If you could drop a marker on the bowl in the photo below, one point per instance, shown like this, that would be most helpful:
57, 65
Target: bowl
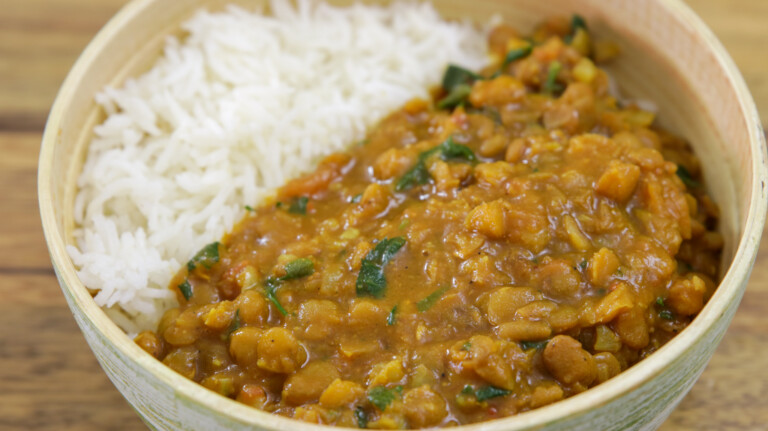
669, 56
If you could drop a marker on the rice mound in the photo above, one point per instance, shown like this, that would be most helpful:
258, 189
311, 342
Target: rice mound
242, 103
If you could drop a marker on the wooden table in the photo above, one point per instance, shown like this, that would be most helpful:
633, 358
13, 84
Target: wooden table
48, 377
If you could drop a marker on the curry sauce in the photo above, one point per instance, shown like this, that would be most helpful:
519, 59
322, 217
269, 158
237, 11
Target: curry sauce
517, 240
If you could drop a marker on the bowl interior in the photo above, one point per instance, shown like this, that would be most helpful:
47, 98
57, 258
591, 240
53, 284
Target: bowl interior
668, 57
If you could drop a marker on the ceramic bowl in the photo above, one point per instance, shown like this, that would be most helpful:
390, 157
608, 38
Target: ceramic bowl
669, 56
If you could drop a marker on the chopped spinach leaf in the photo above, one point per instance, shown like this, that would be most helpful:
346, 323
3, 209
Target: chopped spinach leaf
456, 75
298, 268
551, 85
488, 392
381, 397
299, 205
186, 289
457, 82
686, 177
417, 175
361, 417
528, 345
666, 315
207, 256
371, 280
577, 21
249, 208
456, 97
493, 114
234, 326
427, 303
449, 149
392, 316
517, 54
270, 286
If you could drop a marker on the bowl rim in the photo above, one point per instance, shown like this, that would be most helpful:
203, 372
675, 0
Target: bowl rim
730, 288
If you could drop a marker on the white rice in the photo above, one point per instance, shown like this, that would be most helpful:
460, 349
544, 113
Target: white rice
238, 106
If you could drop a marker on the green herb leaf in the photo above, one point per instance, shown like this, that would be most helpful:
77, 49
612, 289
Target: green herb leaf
550, 85
666, 315
370, 280
207, 256
538, 345
686, 177
488, 392
404, 224
361, 417
278, 204
577, 21
468, 390
298, 268
456, 75
660, 301
466, 346
417, 175
249, 208
583, 264
392, 316
449, 149
356, 198
381, 397
517, 54
270, 286
186, 289
427, 303
456, 97
299, 206
234, 326
493, 113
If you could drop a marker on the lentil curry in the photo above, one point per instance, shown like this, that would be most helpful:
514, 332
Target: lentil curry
517, 241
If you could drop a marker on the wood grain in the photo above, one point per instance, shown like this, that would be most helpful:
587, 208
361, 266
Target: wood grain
49, 379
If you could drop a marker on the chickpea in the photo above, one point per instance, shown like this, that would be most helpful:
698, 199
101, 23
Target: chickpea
254, 309
568, 362
319, 318
184, 361
150, 343
243, 345
423, 407
341, 393
307, 384
279, 351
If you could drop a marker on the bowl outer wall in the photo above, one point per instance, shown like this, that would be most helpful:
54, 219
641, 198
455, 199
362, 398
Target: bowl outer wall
640, 398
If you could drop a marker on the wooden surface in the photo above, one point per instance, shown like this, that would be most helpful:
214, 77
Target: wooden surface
50, 380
